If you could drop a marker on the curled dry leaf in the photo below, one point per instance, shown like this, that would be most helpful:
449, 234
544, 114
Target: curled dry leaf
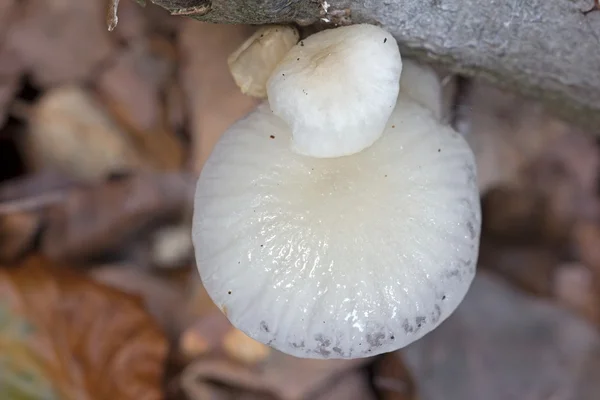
254, 61
102, 217
65, 337
47, 36
69, 132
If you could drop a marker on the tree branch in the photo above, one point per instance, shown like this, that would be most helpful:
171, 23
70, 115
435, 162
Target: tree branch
545, 49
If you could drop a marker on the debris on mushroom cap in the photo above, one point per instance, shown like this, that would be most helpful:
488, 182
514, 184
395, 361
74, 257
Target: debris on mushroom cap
422, 84
254, 61
342, 257
336, 89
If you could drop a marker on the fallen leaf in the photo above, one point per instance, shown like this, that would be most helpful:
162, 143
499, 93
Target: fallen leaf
577, 288
501, 344
163, 298
392, 380
60, 41
134, 89
17, 233
65, 337
69, 132
506, 132
95, 219
354, 385
529, 268
214, 102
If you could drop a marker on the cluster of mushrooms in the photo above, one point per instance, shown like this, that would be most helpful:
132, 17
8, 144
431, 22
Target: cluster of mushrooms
341, 217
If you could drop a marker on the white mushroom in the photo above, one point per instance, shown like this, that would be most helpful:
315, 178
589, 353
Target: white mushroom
337, 89
421, 83
341, 257
253, 62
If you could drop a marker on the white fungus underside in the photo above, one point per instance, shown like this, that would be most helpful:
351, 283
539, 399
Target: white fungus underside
338, 258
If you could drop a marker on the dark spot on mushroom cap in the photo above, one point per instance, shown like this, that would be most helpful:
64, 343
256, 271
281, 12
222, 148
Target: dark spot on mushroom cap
229, 292
262, 245
392, 337
386, 176
264, 327
302, 44
272, 137
298, 59
471, 229
385, 40
420, 321
376, 339
444, 297
393, 126
439, 150
437, 313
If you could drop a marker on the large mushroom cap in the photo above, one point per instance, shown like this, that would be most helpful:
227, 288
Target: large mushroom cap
336, 89
343, 257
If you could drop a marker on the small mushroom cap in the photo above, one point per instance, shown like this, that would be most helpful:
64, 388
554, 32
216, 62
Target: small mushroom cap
340, 257
336, 89
252, 63
422, 84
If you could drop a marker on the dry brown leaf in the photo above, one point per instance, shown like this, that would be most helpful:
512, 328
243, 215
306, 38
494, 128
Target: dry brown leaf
164, 299
529, 268
69, 132
296, 378
506, 132
134, 89
352, 386
392, 380
214, 102
60, 41
7, 10
17, 233
198, 381
577, 288
132, 83
97, 218
65, 337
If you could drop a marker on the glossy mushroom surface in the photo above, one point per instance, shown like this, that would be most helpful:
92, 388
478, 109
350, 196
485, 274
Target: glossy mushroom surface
344, 257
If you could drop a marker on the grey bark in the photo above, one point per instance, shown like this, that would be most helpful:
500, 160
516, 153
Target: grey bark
546, 49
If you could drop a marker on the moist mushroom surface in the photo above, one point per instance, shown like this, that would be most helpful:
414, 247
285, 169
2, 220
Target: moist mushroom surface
340, 257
